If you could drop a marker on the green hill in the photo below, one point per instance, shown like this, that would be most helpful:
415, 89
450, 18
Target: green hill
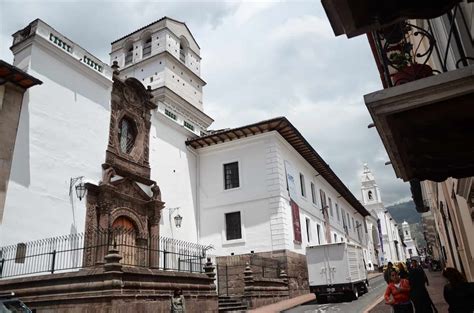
405, 211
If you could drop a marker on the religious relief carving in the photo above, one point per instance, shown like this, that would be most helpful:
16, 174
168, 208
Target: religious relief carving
128, 149
107, 173
155, 189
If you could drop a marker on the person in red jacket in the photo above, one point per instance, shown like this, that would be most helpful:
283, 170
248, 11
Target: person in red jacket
398, 294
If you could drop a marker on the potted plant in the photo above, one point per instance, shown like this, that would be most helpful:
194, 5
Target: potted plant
407, 69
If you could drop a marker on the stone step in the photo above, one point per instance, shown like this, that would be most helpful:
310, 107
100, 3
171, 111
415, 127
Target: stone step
235, 309
230, 300
230, 305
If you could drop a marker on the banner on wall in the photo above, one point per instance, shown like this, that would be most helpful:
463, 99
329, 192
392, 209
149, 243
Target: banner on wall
295, 213
295, 210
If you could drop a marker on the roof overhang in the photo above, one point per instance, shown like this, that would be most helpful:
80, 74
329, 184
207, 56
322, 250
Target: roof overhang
295, 139
426, 125
12, 74
356, 17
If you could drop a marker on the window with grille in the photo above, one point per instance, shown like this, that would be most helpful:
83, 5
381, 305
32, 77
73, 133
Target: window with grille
330, 206
129, 56
170, 114
126, 135
308, 229
231, 175
313, 193
147, 47
20, 253
233, 226
303, 188
189, 125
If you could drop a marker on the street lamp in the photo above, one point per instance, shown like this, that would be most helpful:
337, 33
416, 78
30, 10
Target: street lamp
177, 219
77, 183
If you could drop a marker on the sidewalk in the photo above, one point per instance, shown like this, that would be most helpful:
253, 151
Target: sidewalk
435, 290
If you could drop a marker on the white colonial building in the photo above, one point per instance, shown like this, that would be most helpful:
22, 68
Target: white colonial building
389, 244
255, 188
410, 245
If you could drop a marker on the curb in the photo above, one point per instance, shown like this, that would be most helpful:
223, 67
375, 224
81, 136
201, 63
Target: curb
373, 305
285, 304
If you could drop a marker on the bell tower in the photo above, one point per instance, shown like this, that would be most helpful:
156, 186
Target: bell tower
369, 188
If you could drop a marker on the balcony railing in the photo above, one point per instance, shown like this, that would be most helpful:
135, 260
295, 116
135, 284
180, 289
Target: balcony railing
70, 252
413, 50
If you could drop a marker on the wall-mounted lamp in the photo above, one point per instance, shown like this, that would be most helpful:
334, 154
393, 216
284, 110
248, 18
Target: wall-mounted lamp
78, 185
177, 219
324, 209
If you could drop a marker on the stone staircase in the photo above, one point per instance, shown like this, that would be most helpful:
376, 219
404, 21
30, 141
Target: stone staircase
231, 304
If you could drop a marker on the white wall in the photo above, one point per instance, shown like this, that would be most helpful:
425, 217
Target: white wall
173, 167
262, 197
63, 133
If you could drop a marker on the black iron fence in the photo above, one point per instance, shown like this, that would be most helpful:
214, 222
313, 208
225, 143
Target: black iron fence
75, 251
407, 49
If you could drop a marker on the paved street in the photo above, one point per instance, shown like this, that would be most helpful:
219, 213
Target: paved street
376, 289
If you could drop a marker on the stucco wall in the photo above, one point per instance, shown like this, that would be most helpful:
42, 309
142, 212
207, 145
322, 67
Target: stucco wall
63, 133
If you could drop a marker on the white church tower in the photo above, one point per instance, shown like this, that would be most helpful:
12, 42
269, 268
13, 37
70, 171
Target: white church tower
165, 57
389, 248
408, 240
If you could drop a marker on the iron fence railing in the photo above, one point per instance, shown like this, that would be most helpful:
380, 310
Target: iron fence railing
408, 50
75, 251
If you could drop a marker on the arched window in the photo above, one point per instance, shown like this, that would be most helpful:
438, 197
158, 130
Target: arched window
147, 46
129, 55
183, 46
369, 194
126, 135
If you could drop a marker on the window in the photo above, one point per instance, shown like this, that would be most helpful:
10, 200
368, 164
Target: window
20, 253
322, 195
335, 238
183, 44
233, 226
313, 193
126, 135
330, 206
318, 228
170, 114
337, 213
353, 225
406, 232
308, 229
369, 194
303, 189
348, 220
231, 175
342, 239
189, 125
147, 47
129, 56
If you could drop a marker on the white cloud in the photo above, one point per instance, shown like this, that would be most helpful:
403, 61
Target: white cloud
308, 25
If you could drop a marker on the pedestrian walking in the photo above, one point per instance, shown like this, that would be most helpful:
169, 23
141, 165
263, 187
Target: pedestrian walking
401, 271
177, 302
397, 294
388, 270
458, 293
418, 293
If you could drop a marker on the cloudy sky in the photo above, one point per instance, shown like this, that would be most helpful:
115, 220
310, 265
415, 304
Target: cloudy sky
259, 59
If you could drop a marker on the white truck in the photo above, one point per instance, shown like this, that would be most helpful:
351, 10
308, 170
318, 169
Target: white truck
336, 270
